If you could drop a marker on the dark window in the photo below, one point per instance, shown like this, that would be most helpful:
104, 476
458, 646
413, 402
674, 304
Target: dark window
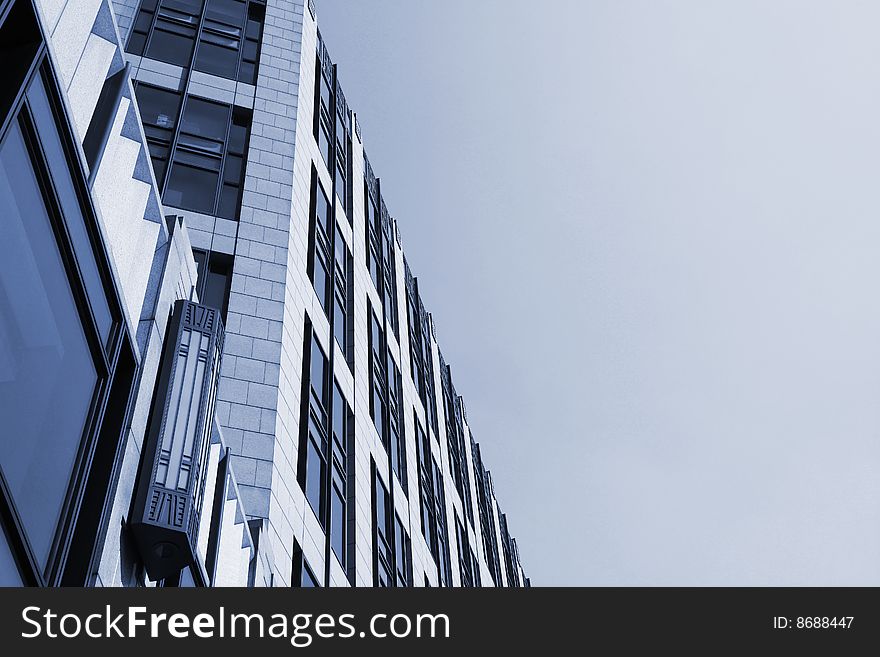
140, 30
328, 265
402, 553
392, 558
465, 561
487, 515
160, 109
342, 259
212, 140
315, 472
325, 462
174, 31
396, 444
230, 40
433, 505
389, 291
228, 45
339, 182
316, 465
233, 165
377, 373
322, 222
250, 54
214, 279
374, 237
337, 523
308, 579
455, 440
339, 492
303, 575
382, 537
323, 115
220, 41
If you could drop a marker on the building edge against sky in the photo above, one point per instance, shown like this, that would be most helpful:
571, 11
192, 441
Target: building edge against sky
238, 381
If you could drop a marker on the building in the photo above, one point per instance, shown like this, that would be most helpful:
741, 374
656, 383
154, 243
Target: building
215, 365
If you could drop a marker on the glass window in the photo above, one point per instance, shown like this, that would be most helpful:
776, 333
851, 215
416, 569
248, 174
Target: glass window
339, 322
321, 280
47, 373
308, 577
218, 55
337, 524
318, 371
340, 183
324, 144
192, 188
314, 477
159, 109
340, 417
227, 11
216, 284
172, 42
209, 142
322, 206
341, 253
205, 118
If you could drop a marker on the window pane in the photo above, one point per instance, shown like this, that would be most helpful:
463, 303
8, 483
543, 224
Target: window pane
318, 369
215, 59
232, 169
238, 132
228, 11
158, 107
249, 51
337, 525
228, 208
339, 322
247, 73
326, 96
322, 209
321, 280
308, 578
341, 253
47, 375
324, 145
143, 21
217, 284
206, 119
193, 7
201, 258
191, 189
136, 43
340, 411
172, 48
314, 477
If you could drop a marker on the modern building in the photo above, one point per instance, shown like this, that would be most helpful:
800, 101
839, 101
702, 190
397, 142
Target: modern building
215, 364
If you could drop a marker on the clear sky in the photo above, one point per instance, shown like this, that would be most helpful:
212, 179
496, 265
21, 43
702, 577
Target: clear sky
649, 233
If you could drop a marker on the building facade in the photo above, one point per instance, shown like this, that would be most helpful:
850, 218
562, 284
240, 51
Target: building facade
215, 365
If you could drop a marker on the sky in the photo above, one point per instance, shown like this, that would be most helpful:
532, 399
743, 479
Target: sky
649, 235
